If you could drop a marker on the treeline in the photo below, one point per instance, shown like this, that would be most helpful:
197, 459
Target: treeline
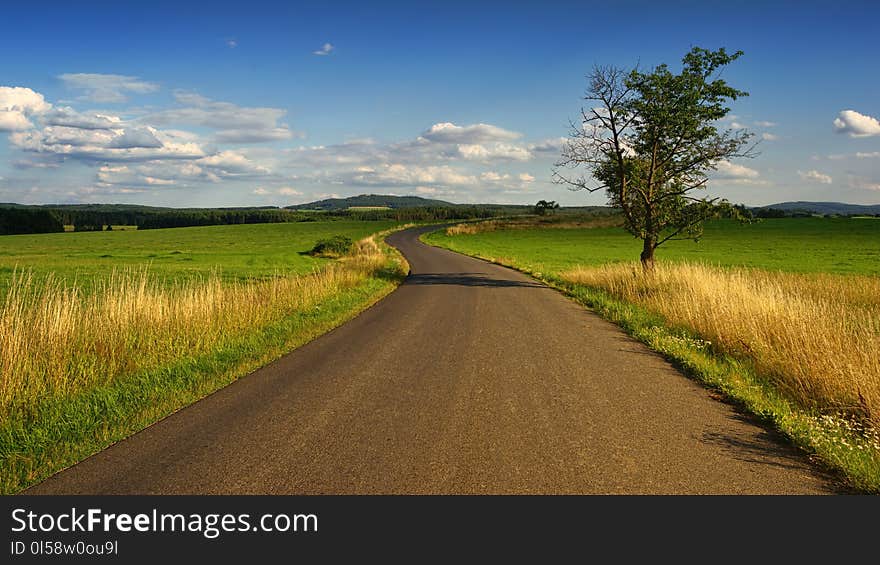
96, 217
219, 217
179, 219
777, 213
28, 220
87, 218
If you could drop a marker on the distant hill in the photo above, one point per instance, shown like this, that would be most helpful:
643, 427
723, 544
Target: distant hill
372, 200
825, 208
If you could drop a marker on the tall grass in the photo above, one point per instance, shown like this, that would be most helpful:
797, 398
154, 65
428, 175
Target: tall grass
816, 337
56, 341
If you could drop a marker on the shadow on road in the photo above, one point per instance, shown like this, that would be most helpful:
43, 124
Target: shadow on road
767, 447
467, 279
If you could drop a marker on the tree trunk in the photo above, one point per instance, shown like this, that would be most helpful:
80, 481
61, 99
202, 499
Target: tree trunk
647, 256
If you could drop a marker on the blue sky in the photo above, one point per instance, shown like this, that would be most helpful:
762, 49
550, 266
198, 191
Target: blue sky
265, 103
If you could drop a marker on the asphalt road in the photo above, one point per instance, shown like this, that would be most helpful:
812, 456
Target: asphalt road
469, 378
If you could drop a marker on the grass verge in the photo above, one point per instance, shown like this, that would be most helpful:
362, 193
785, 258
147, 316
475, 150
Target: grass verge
838, 439
62, 405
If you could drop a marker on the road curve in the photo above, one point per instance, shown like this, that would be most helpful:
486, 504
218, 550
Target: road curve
469, 378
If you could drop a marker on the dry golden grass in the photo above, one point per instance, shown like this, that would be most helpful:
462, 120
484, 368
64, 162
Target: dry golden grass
56, 340
553, 222
817, 336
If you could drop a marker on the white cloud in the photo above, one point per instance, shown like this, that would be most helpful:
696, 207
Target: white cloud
126, 143
231, 163
141, 151
554, 145
402, 175
129, 175
17, 104
181, 171
862, 183
871, 155
769, 136
234, 124
856, 124
63, 135
134, 137
325, 49
64, 132
474, 152
106, 88
477, 152
14, 121
765, 124
442, 143
815, 176
506, 182
152, 181
469, 135
443, 160
734, 174
21, 99
226, 165
728, 170
68, 117
232, 43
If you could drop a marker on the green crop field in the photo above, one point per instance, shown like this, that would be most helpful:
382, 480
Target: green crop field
832, 245
237, 252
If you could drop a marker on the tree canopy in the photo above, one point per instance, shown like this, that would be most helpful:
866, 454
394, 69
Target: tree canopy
650, 139
543, 207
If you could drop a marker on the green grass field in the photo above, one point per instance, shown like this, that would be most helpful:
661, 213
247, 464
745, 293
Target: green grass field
831, 245
239, 252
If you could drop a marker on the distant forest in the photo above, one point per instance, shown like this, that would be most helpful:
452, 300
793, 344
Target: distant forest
20, 219
29, 220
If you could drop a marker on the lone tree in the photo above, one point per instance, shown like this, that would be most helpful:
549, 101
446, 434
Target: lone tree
650, 139
543, 207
